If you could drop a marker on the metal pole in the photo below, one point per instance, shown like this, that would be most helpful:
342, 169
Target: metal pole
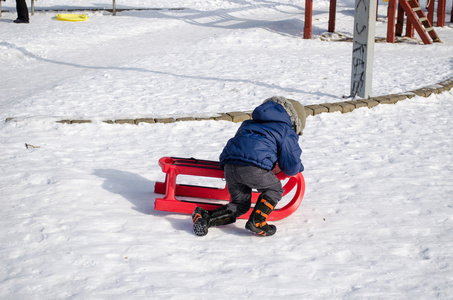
363, 48
114, 7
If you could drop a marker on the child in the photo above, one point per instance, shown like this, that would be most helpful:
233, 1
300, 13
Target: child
250, 162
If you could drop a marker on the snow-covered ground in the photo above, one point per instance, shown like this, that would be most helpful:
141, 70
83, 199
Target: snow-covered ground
77, 213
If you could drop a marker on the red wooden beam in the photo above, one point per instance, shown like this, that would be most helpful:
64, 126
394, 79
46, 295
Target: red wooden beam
391, 21
332, 15
399, 21
308, 18
430, 15
410, 31
441, 9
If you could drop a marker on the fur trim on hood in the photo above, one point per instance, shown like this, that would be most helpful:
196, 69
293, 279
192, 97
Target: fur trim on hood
295, 111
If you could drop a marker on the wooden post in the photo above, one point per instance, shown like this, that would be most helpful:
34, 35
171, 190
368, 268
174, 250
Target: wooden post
114, 7
1, 8
391, 21
32, 7
332, 15
308, 18
377, 8
399, 21
410, 30
430, 14
441, 9
363, 48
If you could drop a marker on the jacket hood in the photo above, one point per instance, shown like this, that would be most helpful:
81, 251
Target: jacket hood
281, 109
271, 112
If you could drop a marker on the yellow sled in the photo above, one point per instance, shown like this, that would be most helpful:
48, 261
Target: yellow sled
72, 17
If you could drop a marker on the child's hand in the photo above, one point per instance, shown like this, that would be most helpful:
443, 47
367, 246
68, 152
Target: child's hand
276, 170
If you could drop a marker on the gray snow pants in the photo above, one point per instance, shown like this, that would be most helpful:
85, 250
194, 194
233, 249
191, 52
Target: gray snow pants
241, 180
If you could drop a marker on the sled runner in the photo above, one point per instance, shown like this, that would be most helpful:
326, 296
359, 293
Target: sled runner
208, 197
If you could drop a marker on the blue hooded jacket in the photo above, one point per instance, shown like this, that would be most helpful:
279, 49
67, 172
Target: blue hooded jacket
267, 139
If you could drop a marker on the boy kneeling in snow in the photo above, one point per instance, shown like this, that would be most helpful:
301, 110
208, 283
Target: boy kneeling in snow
249, 160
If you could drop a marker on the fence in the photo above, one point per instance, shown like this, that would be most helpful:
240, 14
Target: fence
33, 7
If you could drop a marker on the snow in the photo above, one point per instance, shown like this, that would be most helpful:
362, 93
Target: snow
77, 211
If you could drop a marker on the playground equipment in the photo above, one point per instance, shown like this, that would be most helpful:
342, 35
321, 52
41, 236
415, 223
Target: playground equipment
208, 197
33, 7
416, 19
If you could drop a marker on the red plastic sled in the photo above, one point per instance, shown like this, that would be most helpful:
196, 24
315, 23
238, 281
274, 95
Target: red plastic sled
174, 166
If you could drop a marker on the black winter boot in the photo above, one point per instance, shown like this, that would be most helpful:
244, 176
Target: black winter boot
203, 219
200, 218
257, 222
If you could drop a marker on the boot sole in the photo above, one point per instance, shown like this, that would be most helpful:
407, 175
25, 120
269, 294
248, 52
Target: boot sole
250, 227
200, 228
